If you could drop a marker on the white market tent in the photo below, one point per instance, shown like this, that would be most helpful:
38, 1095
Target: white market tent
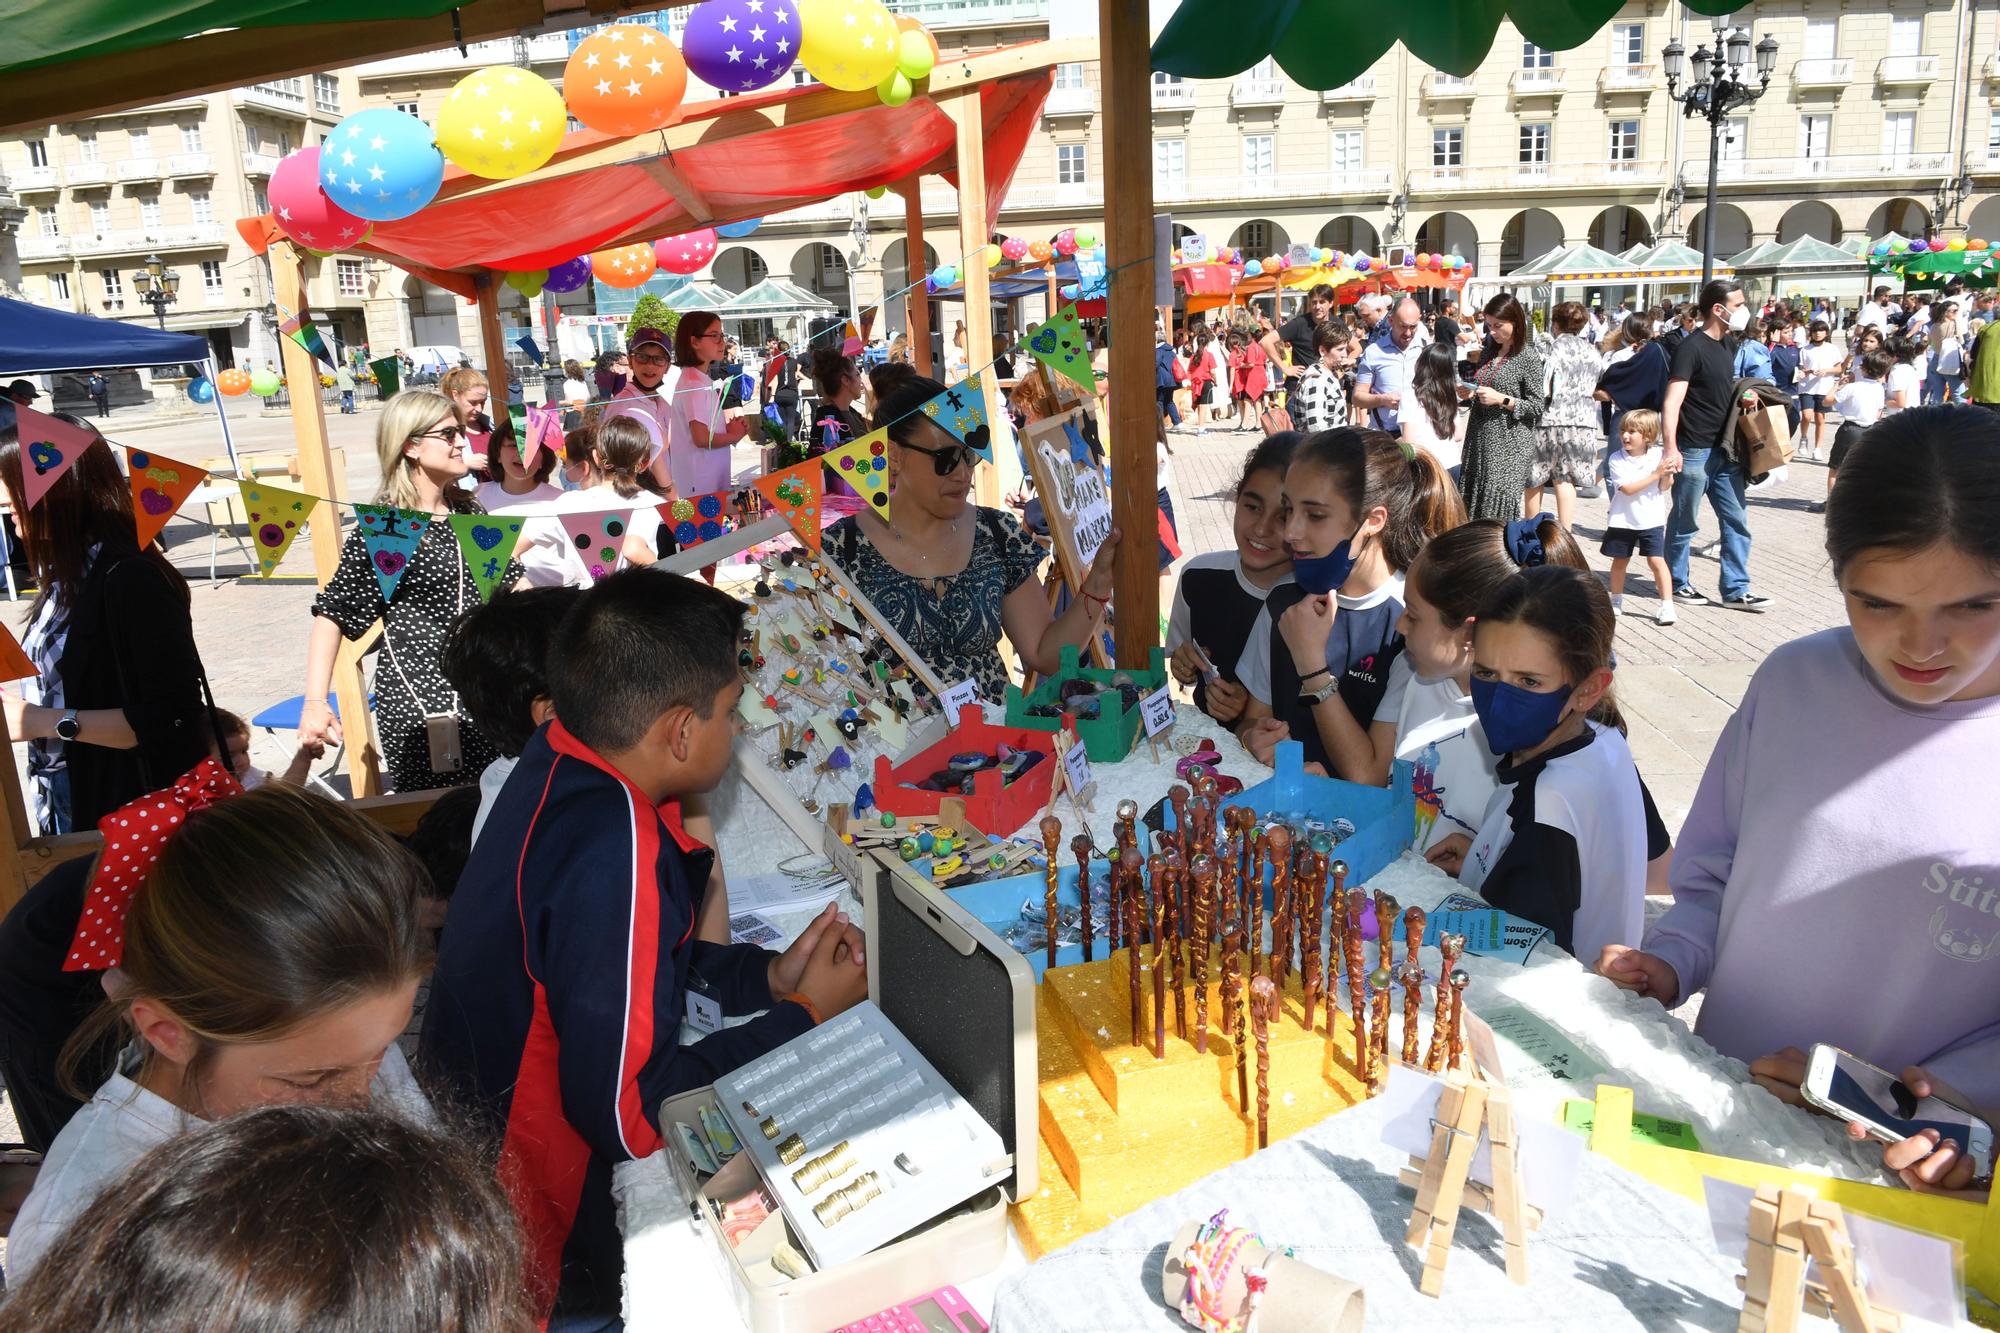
775, 298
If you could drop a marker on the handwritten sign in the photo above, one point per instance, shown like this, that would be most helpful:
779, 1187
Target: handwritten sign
1194, 249
961, 695
1076, 770
1076, 497
1157, 711
1546, 1055
1300, 255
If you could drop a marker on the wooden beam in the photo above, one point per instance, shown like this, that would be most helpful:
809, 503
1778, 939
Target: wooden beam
1125, 55
316, 477
492, 341
670, 179
915, 262
990, 484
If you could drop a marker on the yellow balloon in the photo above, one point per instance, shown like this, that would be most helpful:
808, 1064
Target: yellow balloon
894, 90
501, 121
847, 44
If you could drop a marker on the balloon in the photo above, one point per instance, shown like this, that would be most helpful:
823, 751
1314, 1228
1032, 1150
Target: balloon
1361, 264
740, 46
1881, 247
624, 265
876, 192
916, 52
1336, 257
569, 275
1066, 241
847, 44
1919, 246
528, 284
1254, 269
1957, 244
1975, 243
1040, 251
501, 122
1014, 248
1899, 247
686, 253
233, 382
1273, 262
381, 164
624, 79
947, 275
302, 209
736, 231
993, 256
895, 89
200, 390
1070, 291
264, 383
1086, 238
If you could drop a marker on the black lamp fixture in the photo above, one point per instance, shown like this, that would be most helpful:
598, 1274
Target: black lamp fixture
158, 286
1723, 81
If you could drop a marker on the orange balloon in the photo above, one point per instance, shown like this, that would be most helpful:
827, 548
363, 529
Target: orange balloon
1040, 251
625, 79
233, 382
624, 265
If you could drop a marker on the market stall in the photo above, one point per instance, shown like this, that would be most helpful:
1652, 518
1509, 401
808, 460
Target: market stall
1927, 266
1807, 267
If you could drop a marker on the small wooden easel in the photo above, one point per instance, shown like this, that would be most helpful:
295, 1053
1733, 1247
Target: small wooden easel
1788, 1226
1469, 1103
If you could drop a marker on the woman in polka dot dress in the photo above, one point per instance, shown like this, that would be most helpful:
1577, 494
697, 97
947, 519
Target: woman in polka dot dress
422, 448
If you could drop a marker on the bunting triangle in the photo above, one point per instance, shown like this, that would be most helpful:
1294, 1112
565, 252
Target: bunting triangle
961, 411
599, 538
1059, 344
276, 516
15, 663
301, 330
864, 465
50, 447
488, 542
391, 537
388, 376
700, 519
160, 486
795, 494
544, 432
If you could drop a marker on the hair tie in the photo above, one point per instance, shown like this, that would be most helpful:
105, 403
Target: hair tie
1524, 540
1409, 450
134, 837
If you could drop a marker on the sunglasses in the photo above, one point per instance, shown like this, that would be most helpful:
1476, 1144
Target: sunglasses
947, 460
450, 435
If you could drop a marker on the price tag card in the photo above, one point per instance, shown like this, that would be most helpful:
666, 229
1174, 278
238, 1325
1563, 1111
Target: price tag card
958, 696
1076, 769
1157, 709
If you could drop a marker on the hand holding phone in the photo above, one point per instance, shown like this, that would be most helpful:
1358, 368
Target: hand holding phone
1889, 1109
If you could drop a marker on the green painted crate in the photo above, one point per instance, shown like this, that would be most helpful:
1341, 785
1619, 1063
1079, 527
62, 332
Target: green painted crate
1111, 736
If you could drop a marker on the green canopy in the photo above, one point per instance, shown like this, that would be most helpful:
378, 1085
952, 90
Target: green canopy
1325, 43
1934, 268
1570, 264
47, 32
1806, 252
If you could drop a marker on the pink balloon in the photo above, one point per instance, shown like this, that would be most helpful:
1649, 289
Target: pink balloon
1013, 248
303, 211
1066, 241
686, 253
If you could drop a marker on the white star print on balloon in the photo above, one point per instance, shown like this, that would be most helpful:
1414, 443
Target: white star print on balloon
737, 45
389, 164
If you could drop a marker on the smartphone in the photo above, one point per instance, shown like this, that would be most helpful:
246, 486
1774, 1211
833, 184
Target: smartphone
1851, 1088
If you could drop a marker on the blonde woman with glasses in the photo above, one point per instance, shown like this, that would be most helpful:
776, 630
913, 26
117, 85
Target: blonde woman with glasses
427, 736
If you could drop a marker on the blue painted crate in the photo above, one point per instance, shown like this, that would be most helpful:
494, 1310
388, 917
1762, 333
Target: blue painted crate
997, 904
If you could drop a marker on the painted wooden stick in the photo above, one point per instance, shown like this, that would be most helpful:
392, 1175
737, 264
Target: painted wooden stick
1458, 983
1263, 1004
1448, 949
1321, 971
1413, 982
1337, 899
1177, 798
1177, 894
1378, 1023
1357, 980
1204, 923
1156, 875
1281, 901
1309, 954
1259, 847
1385, 930
1232, 1009
1051, 843
1128, 867
1080, 845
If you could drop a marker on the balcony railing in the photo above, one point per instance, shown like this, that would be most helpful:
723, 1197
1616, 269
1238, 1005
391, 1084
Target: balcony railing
272, 97
1627, 78
198, 236
1824, 73
1257, 92
1906, 69
259, 164
1440, 86
190, 164
1173, 96
79, 174
1070, 102
1842, 166
973, 13
32, 180
139, 169
1271, 185
1358, 89
39, 248
1993, 68
1536, 82
1533, 176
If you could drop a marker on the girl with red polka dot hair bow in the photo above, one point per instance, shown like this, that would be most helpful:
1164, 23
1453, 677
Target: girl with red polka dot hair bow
267, 949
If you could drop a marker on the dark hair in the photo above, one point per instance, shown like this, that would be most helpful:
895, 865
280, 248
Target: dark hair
1504, 306
637, 644
829, 367
289, 1217
1638, 330
1331, 333
1716, 292
884, 379
1819, 326
442, 839
692, 325
503, 433
1904, 348
621, 446
497, 657
1435, 383
1920, 477
1568, 317
1571, 609
900, 411
230, 724
1373, 468
1877, 364
1322, 291
1272, 453
1459, 570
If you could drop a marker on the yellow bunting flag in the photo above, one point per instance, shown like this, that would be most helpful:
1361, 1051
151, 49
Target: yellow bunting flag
864, 465
276, 516
160, 486
795, 494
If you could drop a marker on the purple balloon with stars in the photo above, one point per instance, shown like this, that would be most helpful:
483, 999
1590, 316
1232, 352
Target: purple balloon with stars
569, 276
739, 46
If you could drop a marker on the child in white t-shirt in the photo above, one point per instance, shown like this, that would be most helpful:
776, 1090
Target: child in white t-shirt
1860, 403
1641, 494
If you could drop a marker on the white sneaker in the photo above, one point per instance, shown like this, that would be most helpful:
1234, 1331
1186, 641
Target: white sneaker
1665, 615
1618, 605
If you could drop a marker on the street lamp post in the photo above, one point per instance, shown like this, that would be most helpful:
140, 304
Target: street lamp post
158, 286
1721, 83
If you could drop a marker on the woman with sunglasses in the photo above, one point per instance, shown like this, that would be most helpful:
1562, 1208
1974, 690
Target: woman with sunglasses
699, 436
950, 576
421, 445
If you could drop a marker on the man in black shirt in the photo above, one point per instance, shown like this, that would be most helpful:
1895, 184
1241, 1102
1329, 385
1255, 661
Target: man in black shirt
1298, 331
1698, 392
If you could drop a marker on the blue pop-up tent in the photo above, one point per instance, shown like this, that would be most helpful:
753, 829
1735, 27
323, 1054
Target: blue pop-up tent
35, 340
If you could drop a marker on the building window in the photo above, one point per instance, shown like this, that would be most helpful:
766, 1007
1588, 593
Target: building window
211, 276
149, 213
1535, 144
326, 94
1069, 77
284, 142
59, 287
1822, 39
114, 284
1899, 135
1628, 44
799, 76
410, 109
191, 138
1255, 237
1624, 141
38, 153
86, 148
1735, 138
1170, 165
142, 141
1815, 135
259, 197
1071, 167
1165, 83
1993, 133
284, 90
253, 139
100, 218
1534, 57
1260, 156
49, 222
1448, 147
203, 205
1346, 153
1906, 34
347, 276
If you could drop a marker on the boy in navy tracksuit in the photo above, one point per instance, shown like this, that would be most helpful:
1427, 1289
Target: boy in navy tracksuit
568, 958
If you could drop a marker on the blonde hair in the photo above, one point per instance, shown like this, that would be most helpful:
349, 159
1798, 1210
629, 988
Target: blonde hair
409, 414
1644, 420
619, 450
461, 380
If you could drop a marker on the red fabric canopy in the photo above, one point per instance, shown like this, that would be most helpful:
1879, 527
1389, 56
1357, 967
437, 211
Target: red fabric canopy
748, 163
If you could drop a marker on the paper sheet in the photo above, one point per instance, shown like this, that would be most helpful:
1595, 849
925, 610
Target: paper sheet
1548, 1154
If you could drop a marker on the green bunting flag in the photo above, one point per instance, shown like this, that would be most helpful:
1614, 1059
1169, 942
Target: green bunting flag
488, 542
1059, 344
388, 375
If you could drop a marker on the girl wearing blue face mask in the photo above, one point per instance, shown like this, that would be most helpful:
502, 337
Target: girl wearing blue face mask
1565, 837
1359, 507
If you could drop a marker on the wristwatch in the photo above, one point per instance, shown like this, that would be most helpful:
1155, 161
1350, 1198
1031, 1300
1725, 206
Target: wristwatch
1323, 693
67, 727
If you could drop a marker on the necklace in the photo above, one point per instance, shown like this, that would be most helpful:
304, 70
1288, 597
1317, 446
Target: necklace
922, 555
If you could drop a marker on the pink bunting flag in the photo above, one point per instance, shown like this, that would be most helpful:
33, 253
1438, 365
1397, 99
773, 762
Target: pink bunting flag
49, 448
544, 432
599, 538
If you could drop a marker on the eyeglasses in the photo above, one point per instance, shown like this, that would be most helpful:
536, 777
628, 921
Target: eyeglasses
944, 461
450, 435
649, 359
712, 333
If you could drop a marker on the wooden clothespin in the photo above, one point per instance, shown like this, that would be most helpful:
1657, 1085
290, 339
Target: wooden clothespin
1788, 1226
1442, 1178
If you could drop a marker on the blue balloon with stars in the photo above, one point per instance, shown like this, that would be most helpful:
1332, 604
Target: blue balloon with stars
381, 164
739, 46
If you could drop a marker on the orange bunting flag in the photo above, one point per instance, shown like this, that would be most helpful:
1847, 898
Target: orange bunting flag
795, 494
276, 516
14, 662
864, 465
50, 447
160, 486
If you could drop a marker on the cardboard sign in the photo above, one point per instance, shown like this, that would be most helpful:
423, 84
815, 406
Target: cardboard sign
1300, 255
1194, 249
1076, 496
1157, 711
959, 696
1076, 769
1547, 1055
1581, 1118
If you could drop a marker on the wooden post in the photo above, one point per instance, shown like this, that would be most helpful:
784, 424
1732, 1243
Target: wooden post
918, 299
1125, 60
966, 112
492, 343
316, 478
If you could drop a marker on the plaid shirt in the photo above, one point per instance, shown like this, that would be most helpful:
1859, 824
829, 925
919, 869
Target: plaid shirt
1321, 402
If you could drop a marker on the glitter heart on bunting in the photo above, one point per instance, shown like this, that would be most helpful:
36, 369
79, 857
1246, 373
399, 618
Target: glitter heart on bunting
160, 486
795, 493
961, 411
1059, 344
488, 542
50, 447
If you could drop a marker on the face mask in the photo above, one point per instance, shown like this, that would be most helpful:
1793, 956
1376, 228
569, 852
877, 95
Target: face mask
1739, 319
1321, 574
1514, 718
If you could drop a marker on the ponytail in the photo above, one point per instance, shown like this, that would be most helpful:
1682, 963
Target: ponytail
1372, 469
622, 447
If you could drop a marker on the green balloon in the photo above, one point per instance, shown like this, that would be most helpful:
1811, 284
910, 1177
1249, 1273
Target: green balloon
895, 89
1086, 238
878, 191
264, 383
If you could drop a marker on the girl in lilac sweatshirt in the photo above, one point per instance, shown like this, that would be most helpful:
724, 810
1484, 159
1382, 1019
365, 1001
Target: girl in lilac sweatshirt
1838, 877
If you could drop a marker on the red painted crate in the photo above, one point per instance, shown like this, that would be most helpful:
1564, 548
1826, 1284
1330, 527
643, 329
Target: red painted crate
991, 808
